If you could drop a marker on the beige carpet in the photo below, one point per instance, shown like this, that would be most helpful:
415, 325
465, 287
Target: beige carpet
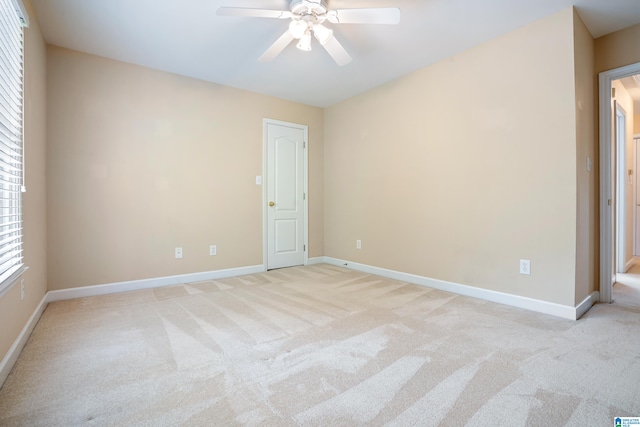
322, 345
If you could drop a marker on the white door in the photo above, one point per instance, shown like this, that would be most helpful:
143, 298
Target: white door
285, 194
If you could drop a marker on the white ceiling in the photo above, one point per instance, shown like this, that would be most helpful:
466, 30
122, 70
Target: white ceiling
187, 37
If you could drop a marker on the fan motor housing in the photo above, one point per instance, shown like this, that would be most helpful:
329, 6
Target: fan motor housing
304, 7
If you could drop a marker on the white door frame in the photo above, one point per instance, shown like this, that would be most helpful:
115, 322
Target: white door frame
305, 174
606, 78
636, 141
621, 189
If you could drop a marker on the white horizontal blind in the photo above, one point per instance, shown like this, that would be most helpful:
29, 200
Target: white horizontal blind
11, 147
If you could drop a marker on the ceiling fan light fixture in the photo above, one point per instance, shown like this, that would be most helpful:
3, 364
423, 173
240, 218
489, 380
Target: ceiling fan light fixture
308, 16
305, 42
297, 29
322, 33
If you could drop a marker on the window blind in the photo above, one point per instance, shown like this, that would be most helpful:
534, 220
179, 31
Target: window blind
11, 143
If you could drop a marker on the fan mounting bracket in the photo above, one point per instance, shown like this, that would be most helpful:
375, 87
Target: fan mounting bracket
308, 7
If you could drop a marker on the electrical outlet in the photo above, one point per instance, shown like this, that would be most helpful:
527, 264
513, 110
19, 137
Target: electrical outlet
212, 250
178, 253
22, 290
358, 244
525, 267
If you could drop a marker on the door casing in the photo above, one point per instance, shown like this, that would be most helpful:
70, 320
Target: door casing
636, 196
621, 188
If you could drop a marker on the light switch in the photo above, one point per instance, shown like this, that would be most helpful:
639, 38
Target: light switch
589, 164
258, 180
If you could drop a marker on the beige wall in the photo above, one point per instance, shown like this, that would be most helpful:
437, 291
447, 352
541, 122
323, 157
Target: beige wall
587, 239
460, 169
636, 124
142, 161
618, 49
14, 312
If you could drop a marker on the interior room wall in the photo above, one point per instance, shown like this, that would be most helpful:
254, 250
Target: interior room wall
636, 123
15, 312
459, 170
618, 49
587, 266
142, 161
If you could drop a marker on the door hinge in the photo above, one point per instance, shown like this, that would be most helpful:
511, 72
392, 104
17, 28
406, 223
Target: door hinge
304, 196
609, 202
305, 248
613, 92
304, 144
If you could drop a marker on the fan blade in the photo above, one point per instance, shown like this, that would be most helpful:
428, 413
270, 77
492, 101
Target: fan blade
337, 51
381, 15
254, 13
277, 47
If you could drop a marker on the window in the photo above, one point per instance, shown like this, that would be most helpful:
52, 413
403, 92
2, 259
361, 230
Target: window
11, 144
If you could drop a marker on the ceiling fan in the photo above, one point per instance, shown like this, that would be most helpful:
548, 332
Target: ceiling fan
308, 17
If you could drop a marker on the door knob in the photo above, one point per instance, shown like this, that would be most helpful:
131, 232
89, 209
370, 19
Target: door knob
271, 204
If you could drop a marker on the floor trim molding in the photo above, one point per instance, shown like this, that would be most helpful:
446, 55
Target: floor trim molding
567, 312
558, 310
110, 288
587, 303
136, 285
14, 351
628, 265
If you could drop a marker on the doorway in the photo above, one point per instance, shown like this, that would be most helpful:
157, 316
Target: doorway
285, 204
608, 261
620, 136
636, 195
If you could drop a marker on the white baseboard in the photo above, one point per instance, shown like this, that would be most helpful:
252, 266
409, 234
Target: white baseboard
628, 265
136, 285
14, 351
558, 310
588, 302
